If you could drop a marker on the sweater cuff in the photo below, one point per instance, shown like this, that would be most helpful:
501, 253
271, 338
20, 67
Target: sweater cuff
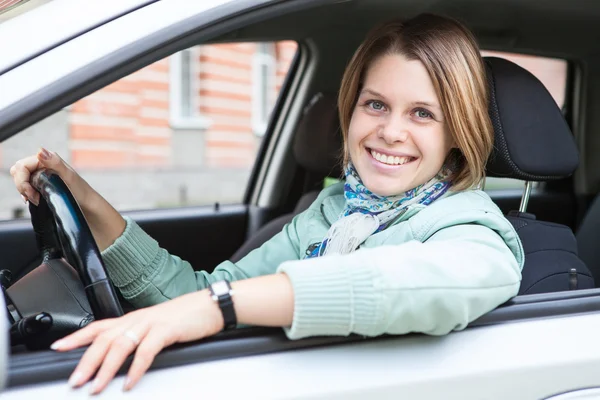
331, 298
130, 255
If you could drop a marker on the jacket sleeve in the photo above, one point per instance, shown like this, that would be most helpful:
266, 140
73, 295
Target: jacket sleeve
147, 274
457, 275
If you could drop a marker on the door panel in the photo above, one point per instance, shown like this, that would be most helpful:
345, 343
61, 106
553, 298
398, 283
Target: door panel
201, 235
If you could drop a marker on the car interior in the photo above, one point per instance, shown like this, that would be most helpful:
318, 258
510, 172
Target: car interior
558, 219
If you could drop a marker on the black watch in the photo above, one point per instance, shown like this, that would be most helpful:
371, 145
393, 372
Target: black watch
222, 293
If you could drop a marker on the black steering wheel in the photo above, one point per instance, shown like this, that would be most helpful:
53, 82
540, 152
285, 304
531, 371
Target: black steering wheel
71, 287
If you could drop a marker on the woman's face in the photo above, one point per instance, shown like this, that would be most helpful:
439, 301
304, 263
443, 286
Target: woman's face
397, 137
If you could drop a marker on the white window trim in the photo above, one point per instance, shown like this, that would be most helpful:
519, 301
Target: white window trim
259, 125
176, 118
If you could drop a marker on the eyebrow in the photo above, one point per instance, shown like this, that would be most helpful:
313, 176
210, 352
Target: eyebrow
417, 103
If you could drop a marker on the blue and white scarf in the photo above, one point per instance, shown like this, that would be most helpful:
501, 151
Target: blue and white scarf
366, 213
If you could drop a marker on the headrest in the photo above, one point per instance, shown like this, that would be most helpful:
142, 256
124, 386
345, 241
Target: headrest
318, 140
532, 140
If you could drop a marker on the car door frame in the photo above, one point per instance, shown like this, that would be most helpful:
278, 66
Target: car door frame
578, 305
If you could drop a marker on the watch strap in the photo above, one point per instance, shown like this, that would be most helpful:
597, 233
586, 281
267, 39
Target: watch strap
225, 302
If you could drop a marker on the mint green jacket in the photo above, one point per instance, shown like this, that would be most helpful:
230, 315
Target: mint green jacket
436, 269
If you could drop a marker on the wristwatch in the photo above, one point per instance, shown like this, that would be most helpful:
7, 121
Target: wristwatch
222, 293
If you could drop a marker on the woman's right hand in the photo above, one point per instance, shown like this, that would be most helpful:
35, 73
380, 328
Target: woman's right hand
104, 221
25, 167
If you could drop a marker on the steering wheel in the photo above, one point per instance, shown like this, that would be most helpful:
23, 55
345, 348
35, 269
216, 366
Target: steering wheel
71, 287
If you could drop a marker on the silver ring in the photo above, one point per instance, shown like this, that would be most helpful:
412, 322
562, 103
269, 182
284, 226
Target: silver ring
133, 337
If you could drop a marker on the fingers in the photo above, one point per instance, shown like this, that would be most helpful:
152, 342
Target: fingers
121, 346
90, 361
24, 168
53, 161
152, 344
84, 336
110, 347
110, 350
21, 173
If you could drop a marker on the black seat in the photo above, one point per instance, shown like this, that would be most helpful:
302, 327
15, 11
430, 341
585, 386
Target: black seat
532, 143
319, 124
588, 238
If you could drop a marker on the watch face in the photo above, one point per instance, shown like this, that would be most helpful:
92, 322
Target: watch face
220, 288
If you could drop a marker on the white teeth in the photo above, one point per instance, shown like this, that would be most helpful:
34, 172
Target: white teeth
390, 160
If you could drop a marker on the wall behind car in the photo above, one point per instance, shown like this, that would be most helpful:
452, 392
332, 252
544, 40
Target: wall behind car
182, 131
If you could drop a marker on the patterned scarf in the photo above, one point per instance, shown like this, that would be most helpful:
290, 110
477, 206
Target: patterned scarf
366, 213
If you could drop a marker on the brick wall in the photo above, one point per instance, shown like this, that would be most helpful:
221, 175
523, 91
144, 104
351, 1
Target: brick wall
127, 124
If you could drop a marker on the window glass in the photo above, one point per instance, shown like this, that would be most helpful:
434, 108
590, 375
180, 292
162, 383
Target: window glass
13, 8
552, 73
182, 131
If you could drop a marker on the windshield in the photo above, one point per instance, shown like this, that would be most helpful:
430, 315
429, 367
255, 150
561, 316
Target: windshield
11, 8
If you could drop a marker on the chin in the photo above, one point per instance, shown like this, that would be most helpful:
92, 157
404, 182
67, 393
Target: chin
382, 187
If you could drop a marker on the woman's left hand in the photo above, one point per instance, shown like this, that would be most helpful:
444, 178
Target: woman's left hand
146, 331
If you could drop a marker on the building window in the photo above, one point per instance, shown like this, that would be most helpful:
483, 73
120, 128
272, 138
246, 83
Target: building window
183, 90
263, 80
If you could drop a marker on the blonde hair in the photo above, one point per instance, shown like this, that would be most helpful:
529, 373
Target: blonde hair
451, 56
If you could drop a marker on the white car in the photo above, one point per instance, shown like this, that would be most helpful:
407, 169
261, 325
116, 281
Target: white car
55, 53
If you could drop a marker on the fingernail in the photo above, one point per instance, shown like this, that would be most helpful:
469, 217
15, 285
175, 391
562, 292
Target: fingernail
74, 379
95, 386
24, 199
45, 154
127, 384
57, 345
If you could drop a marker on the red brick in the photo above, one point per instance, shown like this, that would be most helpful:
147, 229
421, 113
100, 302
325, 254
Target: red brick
229, 145
247, 48
146, 121
224, 95
95, 107
232, 128
92, 132
225, 111
226, 62
124, 86
224, 78
155, 103
154, 140
153, 85
102, 159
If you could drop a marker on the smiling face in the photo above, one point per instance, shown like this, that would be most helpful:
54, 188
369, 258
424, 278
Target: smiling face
397, 137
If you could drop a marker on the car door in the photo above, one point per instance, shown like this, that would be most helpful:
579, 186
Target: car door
171, 145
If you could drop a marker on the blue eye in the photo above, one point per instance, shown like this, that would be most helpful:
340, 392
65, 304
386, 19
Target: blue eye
376, 105
424, 114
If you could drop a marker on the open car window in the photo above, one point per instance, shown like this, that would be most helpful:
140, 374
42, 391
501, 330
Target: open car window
182, 131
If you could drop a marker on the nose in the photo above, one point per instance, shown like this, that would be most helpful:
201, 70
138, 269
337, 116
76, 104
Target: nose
394, 129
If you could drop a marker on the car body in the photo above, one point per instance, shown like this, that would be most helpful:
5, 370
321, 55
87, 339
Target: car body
534, 347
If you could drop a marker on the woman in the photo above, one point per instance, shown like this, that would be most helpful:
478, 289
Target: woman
405, 244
